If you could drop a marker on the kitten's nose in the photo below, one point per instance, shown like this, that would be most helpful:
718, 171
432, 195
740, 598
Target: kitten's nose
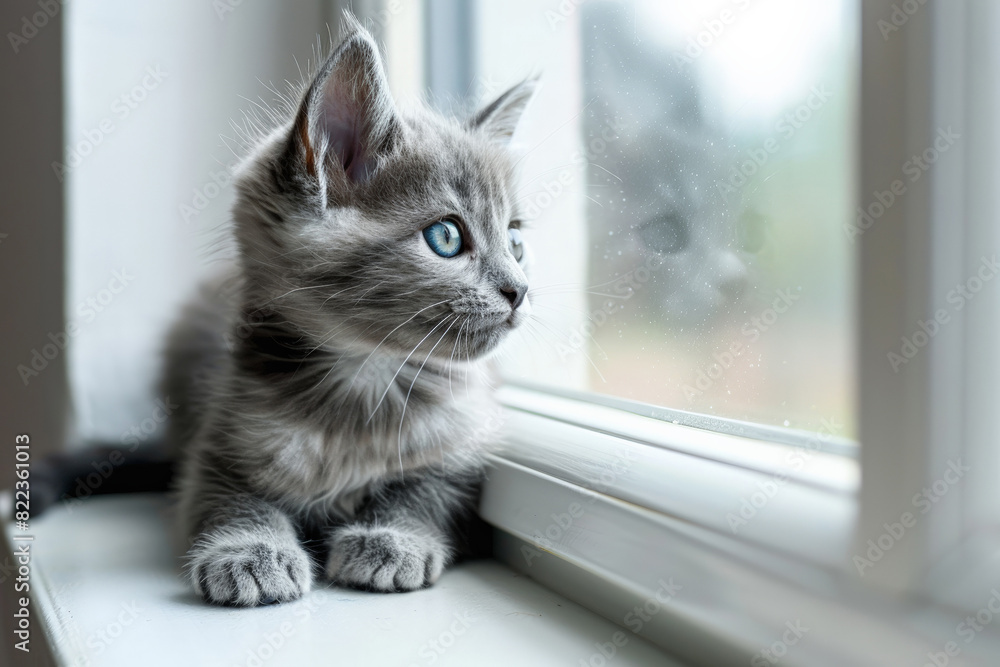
514, 294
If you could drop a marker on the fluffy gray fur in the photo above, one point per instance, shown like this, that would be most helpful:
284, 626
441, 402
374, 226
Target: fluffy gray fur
336, 410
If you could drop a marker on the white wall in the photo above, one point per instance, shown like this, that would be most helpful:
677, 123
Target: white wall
125, 195
514, 40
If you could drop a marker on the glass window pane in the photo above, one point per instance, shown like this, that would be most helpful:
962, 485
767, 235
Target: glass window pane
694, 254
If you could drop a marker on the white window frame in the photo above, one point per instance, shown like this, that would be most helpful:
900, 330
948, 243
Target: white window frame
663, 514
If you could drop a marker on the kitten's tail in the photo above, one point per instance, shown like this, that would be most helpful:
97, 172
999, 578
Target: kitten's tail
100, 469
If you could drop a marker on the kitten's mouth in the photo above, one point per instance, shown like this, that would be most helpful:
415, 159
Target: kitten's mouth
490, 322
482, 332
503, 322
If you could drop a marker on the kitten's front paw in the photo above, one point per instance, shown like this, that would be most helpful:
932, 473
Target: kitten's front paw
385, 558
247, 569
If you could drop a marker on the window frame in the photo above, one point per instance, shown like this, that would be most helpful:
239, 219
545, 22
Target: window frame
909, 84
937, 410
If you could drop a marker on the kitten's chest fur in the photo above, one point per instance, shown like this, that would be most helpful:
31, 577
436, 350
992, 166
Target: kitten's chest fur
316, 431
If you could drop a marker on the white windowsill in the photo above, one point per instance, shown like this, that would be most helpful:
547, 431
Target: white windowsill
107, 567
604, 505
803, 498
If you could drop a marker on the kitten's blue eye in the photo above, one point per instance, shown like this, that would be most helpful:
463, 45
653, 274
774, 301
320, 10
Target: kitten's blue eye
444, 238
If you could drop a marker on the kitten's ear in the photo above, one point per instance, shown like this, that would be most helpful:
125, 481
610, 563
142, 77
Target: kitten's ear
347, 120
499, 118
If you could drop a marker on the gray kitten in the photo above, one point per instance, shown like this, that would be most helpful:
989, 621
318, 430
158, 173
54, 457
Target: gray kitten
379, 262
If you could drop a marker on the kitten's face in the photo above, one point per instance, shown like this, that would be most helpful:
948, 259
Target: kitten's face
367, 227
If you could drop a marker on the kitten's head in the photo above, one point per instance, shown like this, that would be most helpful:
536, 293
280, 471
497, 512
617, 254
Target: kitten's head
365, 225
